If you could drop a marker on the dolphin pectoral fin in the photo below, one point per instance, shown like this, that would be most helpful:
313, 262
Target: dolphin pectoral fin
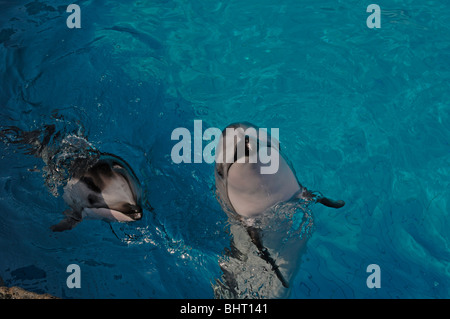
310, 196
67, 223
330, 202
265, 255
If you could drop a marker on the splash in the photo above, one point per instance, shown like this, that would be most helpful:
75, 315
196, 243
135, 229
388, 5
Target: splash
265, 252
293, 218
63, 154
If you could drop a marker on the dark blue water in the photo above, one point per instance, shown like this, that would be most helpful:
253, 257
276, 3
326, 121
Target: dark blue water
363, 114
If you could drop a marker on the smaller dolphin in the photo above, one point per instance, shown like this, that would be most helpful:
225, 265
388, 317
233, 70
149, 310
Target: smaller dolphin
97, 185
108, 190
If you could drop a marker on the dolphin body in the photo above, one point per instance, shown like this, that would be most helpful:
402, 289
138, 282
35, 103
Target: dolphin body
269, 215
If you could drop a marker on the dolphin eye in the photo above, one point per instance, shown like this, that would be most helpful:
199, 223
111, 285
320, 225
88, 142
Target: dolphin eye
89, 182
247, 146
220, 171
92, 199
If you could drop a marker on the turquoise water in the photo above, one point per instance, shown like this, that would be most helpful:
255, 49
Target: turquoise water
363, 115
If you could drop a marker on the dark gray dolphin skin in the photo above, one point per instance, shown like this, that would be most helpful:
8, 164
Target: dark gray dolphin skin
98, 185
244, 194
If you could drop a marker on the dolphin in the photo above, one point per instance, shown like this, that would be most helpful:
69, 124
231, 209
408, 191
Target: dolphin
263, 257
97, 185
108, 190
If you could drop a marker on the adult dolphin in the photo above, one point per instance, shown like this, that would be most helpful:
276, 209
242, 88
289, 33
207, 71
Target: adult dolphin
265, 251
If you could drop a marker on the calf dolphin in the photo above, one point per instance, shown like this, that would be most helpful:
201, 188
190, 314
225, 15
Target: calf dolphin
107, 190
265, 251
97, 185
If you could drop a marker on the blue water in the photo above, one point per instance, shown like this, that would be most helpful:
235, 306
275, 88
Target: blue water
364, 116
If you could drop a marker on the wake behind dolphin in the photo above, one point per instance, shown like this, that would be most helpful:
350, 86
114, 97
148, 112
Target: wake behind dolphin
96, 185
269, 214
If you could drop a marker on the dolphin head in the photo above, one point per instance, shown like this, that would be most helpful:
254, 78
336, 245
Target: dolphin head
107, 190
241, 185
226, 151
